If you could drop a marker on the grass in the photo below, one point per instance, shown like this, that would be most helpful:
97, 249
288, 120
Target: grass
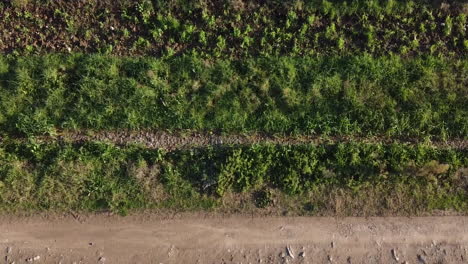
234, 28
422, 97
389, 69
341, 179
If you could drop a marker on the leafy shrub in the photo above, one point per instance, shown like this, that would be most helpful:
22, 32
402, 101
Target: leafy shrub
35, 125
98, 176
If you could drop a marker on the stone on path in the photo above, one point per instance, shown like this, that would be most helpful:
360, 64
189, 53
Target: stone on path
290, 252
394, 255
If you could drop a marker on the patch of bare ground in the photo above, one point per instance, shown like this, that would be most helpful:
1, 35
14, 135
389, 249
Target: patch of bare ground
188, 139
150, 238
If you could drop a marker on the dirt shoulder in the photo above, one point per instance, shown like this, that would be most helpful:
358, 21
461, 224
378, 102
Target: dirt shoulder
239, 239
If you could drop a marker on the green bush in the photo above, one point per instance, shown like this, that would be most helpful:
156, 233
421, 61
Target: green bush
97, 176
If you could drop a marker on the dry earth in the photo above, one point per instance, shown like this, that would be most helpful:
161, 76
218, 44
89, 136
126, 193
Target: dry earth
189, 139
149, 238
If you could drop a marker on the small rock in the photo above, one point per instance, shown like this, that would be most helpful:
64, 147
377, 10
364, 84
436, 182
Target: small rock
290, 252
282, 255
394, 255
91, 243
348, 260
102, 259
302, 254
330, 258
171, 251
422, 259
36, 258
332, 244
8, 250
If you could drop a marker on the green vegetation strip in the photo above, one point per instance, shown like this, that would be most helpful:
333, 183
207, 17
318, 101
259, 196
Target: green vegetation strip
234, 28
335, 179
357, 95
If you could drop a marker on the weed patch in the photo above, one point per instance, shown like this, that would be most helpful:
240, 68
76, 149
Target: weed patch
340, 179
233, 29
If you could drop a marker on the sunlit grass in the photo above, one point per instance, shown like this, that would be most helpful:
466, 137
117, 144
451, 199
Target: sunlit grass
351, 95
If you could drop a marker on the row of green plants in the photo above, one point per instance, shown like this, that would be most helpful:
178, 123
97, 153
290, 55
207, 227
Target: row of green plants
96, 176
422, 97
234, 28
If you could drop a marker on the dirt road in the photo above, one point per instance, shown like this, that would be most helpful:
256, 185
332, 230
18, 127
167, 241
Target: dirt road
195, 239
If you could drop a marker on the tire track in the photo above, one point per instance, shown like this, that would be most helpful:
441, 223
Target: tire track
190, 139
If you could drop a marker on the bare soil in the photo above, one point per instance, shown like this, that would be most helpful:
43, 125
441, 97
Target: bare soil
150, 238
172, 140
